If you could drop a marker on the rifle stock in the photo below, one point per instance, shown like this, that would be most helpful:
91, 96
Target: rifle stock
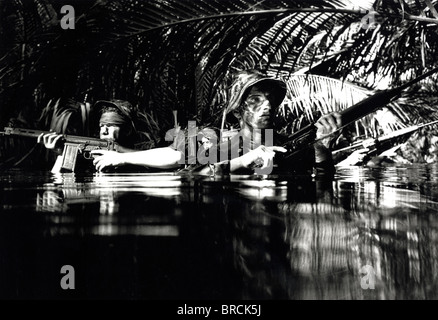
73, 145
306, 136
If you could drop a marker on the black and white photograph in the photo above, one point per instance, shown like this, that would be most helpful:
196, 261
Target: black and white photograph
221, 155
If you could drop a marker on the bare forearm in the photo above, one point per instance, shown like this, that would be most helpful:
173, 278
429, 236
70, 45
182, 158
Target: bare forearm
236, 164
160, 158
156, 158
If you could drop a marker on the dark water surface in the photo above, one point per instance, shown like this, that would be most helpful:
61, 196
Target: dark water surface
367, 234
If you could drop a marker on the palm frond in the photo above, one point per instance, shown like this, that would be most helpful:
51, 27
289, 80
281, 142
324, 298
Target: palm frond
179, 55
315, 94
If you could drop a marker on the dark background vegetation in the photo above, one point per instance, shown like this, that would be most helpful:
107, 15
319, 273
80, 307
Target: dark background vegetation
167, 55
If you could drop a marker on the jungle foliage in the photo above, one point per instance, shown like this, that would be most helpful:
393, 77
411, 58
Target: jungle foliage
167, 55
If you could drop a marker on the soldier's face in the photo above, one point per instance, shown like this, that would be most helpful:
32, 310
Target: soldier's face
109, 132
259, 107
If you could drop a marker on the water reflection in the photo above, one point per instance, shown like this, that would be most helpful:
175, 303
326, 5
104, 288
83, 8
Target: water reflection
306, 248
104, 205
367, 234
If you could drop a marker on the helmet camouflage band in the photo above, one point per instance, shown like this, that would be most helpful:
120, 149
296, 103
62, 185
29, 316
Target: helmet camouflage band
245, 80
125, 107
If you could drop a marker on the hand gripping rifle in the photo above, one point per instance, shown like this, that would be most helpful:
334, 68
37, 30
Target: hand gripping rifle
73, 145
306, 136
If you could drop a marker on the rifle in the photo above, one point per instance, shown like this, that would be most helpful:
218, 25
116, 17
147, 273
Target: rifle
379, 141
73, 145
306, 136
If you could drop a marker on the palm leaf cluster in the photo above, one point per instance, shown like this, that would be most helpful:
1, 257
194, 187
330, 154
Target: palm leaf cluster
179, 55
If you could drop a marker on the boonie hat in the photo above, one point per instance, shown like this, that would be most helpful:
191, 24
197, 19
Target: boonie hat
246, 79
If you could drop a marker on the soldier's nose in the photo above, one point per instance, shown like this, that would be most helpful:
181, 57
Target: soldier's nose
266, 106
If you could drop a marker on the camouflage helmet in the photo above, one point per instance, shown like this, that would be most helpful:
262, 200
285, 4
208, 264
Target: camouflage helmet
125, 107
244, 80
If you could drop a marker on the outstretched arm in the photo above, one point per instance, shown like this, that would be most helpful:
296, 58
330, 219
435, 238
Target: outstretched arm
160, 158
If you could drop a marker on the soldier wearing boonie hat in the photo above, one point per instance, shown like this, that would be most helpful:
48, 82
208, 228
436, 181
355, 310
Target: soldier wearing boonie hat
254, 99
244, 80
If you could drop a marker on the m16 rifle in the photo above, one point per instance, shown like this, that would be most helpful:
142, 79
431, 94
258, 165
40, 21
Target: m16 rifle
306, 136
73, 145
379, 143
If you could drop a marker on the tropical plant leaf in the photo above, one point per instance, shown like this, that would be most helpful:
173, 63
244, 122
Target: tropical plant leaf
180, 55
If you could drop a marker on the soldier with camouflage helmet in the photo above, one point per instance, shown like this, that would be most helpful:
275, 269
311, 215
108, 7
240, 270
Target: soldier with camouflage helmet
114, 120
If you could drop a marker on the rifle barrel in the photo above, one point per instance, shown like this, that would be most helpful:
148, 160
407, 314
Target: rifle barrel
378, 100
33, 133
391, 135
306, 136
